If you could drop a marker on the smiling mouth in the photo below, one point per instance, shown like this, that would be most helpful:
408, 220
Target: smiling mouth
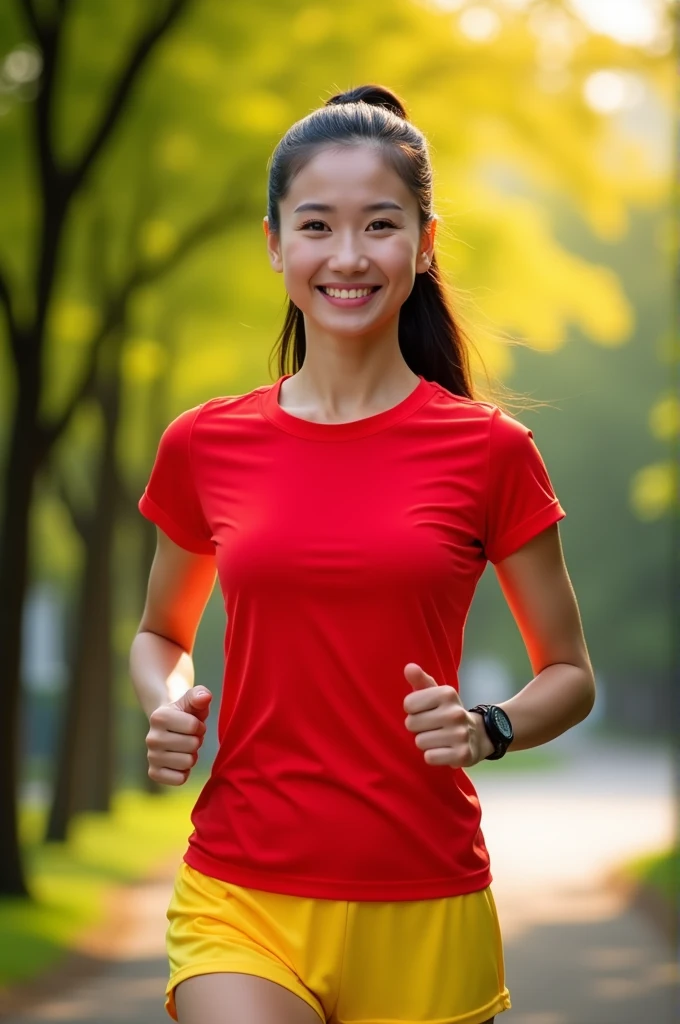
349, 293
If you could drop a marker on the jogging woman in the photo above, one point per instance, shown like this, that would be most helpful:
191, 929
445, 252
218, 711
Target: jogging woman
336, 870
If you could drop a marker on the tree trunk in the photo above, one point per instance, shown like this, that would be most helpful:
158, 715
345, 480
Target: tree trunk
85, 772
14, 547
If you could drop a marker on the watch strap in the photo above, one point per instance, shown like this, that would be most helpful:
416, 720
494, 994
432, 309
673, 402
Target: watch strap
500, 743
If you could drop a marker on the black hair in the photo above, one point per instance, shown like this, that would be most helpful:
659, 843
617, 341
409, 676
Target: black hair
431, 339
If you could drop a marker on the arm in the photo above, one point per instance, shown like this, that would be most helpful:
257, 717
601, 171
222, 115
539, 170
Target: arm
539, 593
161, 666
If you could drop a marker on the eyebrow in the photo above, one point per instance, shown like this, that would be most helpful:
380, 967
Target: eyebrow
387, 204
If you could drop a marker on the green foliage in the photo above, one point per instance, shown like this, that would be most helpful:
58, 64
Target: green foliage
660, 871
70, 882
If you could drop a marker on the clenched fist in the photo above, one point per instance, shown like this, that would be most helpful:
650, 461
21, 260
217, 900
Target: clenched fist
175, 736
445, 732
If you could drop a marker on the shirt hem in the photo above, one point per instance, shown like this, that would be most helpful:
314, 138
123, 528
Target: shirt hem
150, 510
334, 889
527, 530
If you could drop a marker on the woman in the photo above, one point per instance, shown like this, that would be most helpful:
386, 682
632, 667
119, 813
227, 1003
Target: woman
337, 870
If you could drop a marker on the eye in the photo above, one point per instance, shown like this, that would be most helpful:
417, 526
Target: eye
309, 223
386, 223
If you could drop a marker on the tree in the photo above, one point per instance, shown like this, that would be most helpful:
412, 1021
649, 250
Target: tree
31, 439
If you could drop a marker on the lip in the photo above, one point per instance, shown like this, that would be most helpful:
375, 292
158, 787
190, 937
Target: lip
348, 303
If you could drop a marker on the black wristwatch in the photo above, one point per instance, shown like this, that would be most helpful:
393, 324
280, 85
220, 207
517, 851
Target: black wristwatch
498, 728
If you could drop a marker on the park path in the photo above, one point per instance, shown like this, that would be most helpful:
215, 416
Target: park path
575, 952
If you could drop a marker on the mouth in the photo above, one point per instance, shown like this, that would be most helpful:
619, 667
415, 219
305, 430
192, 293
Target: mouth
348, 297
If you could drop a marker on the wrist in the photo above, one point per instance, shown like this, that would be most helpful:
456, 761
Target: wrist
484, 745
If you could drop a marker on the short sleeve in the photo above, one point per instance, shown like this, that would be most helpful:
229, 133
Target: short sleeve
521, 501
170, 499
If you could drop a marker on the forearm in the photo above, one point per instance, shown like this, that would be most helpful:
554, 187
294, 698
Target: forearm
161, 670
557, 698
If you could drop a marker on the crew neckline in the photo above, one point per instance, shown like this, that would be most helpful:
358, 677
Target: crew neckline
269, 404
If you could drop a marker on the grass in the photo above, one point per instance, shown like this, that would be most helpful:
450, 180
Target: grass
659, 871
68, 881
536, 759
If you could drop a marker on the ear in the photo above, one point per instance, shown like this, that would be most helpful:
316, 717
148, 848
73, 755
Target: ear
273, 246
426, 249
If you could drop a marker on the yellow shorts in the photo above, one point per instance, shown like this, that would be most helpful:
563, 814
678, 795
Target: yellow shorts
433, 960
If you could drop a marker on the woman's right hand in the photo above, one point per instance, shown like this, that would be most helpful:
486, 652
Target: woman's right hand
175, 736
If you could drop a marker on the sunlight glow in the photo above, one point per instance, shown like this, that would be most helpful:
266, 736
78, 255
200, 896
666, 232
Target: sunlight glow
608, 91
635, 22
479, 23
631, 22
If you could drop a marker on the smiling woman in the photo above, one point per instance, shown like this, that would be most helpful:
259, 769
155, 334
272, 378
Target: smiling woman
337, 869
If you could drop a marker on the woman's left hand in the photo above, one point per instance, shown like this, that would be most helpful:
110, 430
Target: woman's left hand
446, 732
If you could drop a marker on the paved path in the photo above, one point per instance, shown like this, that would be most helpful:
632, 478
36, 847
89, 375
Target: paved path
575, 954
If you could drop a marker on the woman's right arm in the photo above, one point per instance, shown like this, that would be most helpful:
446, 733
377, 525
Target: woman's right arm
161, 664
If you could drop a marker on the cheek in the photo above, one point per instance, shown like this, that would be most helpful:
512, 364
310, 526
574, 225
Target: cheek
299, 264
298, 255
399, 259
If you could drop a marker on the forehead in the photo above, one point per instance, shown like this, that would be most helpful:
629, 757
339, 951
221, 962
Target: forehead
348, 177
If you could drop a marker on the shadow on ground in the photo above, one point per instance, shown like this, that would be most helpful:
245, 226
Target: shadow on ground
601, 972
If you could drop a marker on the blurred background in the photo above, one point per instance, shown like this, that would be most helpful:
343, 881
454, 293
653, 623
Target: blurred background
134, 284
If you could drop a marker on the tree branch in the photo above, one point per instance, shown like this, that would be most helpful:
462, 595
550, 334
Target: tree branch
207, 227
32, 19
79, 521
119, 96
6, 302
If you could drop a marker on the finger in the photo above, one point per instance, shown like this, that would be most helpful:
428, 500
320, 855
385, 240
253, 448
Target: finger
443, 757
422, 721
417, 677
170, 759
195, 701
439, 739
161, 739
168, 777
426, 694
170, 718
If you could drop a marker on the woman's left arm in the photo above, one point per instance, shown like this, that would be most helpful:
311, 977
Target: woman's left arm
537, 587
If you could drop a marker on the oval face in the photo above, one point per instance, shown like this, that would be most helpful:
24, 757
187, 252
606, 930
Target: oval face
349, 244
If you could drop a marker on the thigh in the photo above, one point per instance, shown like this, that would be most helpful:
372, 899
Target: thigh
235, 998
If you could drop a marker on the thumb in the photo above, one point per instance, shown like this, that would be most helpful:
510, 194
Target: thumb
195, 701
418, 679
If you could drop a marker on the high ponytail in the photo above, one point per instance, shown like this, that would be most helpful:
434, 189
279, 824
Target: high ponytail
431, 339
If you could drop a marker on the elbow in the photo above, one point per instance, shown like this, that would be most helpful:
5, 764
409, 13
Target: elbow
588, 692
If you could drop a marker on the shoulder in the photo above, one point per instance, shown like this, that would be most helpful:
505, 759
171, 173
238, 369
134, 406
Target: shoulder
211, 410
474, 406
231, 405
498, 424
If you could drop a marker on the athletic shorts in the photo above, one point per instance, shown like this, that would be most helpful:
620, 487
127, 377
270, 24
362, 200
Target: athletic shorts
434, 960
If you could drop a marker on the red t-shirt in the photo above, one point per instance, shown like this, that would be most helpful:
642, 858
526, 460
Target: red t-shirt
344, 551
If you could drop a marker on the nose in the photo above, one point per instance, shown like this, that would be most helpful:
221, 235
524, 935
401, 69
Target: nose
348, 256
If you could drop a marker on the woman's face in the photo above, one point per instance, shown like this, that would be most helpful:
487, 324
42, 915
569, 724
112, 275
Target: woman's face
349, 223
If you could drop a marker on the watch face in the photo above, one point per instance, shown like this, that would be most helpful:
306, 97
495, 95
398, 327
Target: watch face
502, 723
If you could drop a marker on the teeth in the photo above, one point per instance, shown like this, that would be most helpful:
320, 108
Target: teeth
345, 293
